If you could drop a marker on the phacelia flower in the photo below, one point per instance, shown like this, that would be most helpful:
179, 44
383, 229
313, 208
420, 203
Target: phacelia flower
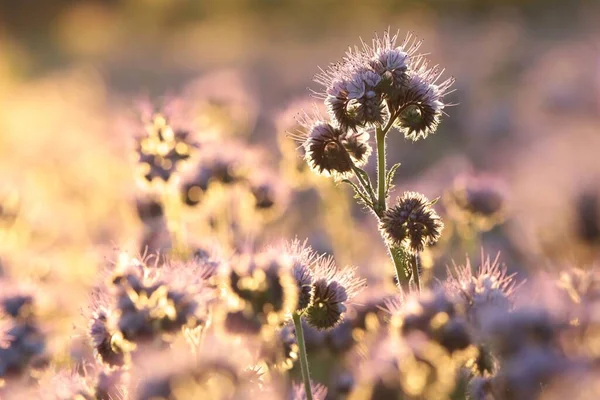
435, 315
329, 149
23, 342
490, 288
479, 200
324, 151
356, 89
420, 104
264, 285
162, 148
412, 223
333, 288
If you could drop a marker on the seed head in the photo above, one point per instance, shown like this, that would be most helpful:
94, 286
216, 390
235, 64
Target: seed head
412, 223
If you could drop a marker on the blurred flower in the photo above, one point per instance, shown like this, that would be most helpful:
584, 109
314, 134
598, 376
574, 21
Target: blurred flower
264, 286
162, 148
490, 289
24, 342
477, 200
404, 367
435, 315
588, 217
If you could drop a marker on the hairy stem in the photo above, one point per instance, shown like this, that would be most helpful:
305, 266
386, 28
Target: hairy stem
401, 260
415, 271
381, 171
302, 355
400, 256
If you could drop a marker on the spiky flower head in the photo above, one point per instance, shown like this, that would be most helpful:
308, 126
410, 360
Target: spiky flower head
333, 288
329, 149
420, 102
304, 260
324, 151
412, 222
490, 288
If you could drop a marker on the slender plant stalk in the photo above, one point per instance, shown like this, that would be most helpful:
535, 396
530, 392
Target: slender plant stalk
399, 256
302, 355
415, 271
401, 262
381, 169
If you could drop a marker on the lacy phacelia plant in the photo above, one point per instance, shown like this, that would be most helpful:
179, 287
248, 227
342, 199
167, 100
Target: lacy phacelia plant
143, 304
323, 291
373, 89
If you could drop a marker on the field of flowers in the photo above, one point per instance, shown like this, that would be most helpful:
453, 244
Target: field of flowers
300, 201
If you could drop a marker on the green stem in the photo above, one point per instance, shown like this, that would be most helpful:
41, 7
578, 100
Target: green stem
401, 263
302, 355
415, 271
380, 208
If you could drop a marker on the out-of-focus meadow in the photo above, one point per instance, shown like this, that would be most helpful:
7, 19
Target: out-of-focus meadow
525, 126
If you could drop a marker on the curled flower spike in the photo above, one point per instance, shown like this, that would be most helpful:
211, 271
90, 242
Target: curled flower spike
324, 151
323, 289
332, 289
329, 149
421, 102
328, 304
411, 223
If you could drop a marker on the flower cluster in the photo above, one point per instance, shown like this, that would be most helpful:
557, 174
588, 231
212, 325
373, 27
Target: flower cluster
142, 304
